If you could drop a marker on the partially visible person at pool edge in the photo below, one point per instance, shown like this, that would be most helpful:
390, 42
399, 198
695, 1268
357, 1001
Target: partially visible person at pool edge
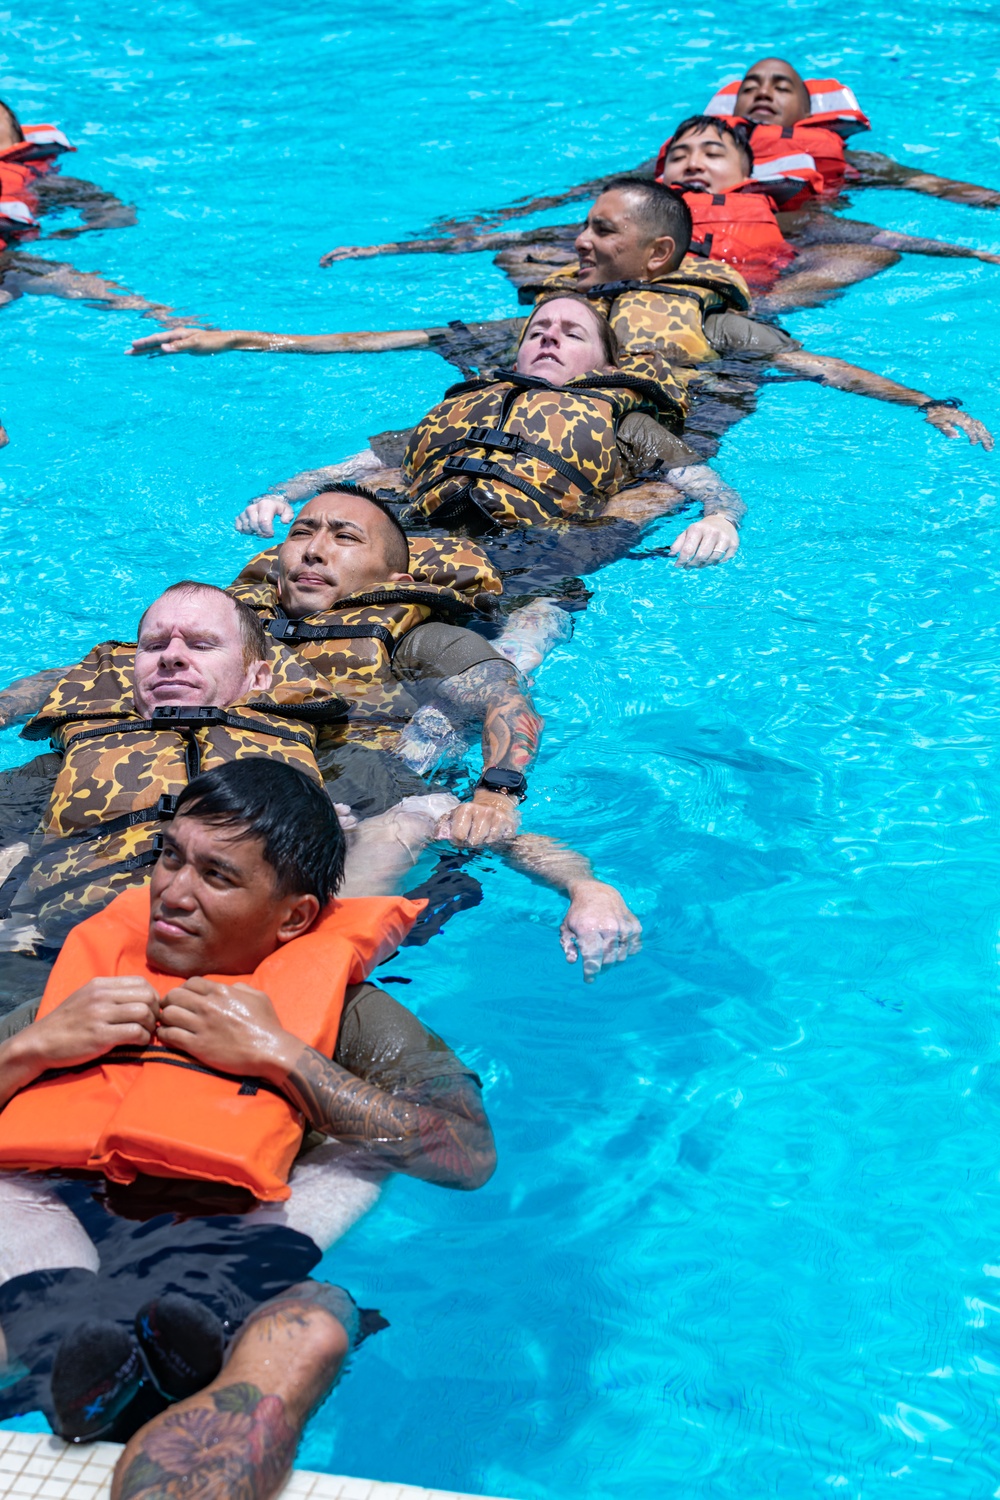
236, 959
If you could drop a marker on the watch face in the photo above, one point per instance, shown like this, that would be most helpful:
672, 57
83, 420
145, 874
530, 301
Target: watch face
504, 781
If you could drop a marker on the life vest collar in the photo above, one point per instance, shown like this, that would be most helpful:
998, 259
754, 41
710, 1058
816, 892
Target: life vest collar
41, 143
831, 104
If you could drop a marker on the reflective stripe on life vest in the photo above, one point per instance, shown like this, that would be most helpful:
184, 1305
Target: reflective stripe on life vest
156, 1111
830, 103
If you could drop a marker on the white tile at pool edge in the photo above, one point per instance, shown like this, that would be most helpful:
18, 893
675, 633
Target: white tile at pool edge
37, 1466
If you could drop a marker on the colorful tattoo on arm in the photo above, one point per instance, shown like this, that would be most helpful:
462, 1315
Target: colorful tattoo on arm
236, 1444
511, 727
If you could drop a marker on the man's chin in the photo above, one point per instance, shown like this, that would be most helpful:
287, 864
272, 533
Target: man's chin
181, 956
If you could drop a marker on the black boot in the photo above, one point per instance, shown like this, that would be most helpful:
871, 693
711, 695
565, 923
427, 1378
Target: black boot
182, 1343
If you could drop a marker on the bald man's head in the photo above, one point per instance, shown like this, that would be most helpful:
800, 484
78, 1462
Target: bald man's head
773, 93
342, 543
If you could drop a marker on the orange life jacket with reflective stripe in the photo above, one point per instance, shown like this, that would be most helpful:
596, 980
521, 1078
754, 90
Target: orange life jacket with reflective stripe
782, 149
740, 227
152, 1110
21, 165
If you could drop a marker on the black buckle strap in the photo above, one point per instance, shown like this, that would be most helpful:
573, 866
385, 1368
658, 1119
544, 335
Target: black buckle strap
163, 809
479, 468
515, 443
297, 630
166, 1057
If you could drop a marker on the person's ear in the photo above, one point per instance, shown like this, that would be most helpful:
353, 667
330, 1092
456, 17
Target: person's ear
661, 256
300, 914
401, 578
259, 678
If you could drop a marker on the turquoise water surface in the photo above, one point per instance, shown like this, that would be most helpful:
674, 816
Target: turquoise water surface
744, 1239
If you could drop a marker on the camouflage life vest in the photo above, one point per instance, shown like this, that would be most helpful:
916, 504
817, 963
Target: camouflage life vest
121, 774
352, 646
522, 452
667, 314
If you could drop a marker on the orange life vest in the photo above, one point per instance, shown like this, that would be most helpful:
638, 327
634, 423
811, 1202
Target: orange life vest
21, 165
155, 1111
782, 150
740, 227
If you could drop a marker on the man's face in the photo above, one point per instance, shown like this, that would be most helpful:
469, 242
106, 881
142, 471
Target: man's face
772, 93
213, 907
561, 342
706, 160
613, 246
335, 549
190, 651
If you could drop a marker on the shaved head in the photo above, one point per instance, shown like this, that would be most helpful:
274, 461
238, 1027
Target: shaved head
773, 93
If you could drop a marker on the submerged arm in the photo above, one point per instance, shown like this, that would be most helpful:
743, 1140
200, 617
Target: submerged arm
501, 240
598, 927
845, 377
524, 206
878, 170
26, 696
445, 1139
98, 208
815, 226
28, 274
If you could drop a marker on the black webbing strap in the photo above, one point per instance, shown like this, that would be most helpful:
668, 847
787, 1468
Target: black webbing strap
182, 717
162, 809
479, 468
514, 443
286, 630
104, 872
168, 1058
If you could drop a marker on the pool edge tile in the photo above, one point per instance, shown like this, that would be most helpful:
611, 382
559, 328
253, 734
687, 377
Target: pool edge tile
36, 1464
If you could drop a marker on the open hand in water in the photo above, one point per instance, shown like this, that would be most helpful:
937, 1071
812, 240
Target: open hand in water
705, 543
949, 421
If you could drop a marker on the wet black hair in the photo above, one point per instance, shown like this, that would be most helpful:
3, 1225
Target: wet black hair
738, 134
609, 341
660, 210
285, 809
397, 543
252, 634
15, 123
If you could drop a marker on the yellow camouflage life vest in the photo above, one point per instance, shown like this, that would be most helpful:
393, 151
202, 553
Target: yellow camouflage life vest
522, 452
121, 774
667, 314
352, 646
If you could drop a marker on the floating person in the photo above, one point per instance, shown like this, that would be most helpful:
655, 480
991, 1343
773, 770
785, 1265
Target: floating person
132, 724
791, 117
733, 206
193, 1041
797, 125
32, 186
693, 311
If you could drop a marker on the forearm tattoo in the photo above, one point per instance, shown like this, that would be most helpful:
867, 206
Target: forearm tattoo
236, 1444
446, 1140
511, 727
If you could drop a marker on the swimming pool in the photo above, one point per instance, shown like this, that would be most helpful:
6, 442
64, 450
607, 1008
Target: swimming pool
745, 1234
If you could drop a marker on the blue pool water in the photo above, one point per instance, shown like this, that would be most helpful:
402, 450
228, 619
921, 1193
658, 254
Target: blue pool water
744, 1239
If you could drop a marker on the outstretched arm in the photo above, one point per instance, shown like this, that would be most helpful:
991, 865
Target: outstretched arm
257, 519
97, 208
26, 696
813, 225
878, 170
491, 693
550, 234
524, 206
32, 276
598, 927
438, 1132
837, 372
223, 341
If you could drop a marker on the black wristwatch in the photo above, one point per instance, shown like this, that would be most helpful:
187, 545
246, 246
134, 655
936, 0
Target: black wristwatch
508, 783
